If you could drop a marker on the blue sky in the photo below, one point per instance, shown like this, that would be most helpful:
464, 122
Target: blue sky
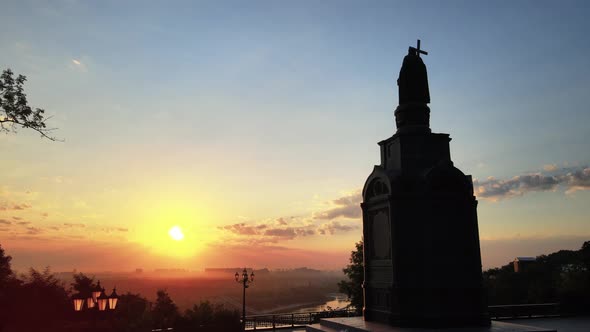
254, 111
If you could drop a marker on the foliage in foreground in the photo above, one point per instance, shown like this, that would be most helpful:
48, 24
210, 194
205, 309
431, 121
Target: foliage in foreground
562, 277
41, 295
354, 271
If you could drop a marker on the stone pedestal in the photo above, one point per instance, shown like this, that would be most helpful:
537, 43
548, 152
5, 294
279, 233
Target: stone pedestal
421, 255
357, 324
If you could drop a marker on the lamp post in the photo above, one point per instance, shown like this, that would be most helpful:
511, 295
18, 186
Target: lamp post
245, 280
113, 299
78, 300
97, 298
99, 307
96, 293
103, 301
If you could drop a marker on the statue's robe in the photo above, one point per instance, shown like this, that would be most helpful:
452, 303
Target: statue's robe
413, 81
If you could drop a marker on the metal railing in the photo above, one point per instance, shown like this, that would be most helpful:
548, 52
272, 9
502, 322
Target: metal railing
497, 312
524, 310
277, 321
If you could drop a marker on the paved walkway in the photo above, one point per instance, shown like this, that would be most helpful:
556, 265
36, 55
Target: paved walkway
563, 324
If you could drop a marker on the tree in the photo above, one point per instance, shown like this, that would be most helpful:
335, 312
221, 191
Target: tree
165, 312
6, 274
585, 254
44, 295
355, 273
9, 285
83, 284
133, 314
14, 108
206, 316
562, 276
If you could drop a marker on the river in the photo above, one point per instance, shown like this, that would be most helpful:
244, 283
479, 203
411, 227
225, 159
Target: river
336, 301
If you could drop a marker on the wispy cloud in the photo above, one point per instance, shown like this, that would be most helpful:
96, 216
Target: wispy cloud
79, 64
271, 231
339, 215
114, 229
14, 206
20, 206
72, 225
551, 179
347, 206
289, 232
241, 229
34, 230
578, 180
550, 167
334, 227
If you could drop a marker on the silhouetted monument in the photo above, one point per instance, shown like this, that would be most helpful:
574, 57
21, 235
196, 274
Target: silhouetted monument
421, 240
422, 255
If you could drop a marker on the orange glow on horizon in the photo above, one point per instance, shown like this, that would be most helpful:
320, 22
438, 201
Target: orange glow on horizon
174, 228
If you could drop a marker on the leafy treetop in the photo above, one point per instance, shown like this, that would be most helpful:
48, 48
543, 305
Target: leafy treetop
355, 273
15, 110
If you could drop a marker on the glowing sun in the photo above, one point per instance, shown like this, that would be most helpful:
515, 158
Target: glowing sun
176, 233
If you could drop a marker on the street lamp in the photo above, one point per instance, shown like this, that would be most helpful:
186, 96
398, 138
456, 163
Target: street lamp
103, 300
90, 302
113, 299
96, 292
245, 281
78, 302
97, 298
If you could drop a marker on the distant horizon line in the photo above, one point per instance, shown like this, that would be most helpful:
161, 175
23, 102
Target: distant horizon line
183, 270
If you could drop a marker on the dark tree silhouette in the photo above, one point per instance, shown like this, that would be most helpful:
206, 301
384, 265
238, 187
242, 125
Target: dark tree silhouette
6, 273
209, 317
585, 254
83, 284
165, 311
133, 313
8, 286
44, 297
354, 271
14, 108
562, 276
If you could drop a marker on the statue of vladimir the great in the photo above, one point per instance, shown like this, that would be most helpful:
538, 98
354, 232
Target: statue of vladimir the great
413, 80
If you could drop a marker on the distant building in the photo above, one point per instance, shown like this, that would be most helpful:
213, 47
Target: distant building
138, 270
233, 270
170, 270
224, 269
520, 263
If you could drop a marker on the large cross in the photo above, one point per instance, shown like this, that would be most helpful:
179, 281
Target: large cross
417, 50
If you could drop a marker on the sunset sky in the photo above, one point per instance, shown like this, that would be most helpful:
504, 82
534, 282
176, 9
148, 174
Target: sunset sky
252, 126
